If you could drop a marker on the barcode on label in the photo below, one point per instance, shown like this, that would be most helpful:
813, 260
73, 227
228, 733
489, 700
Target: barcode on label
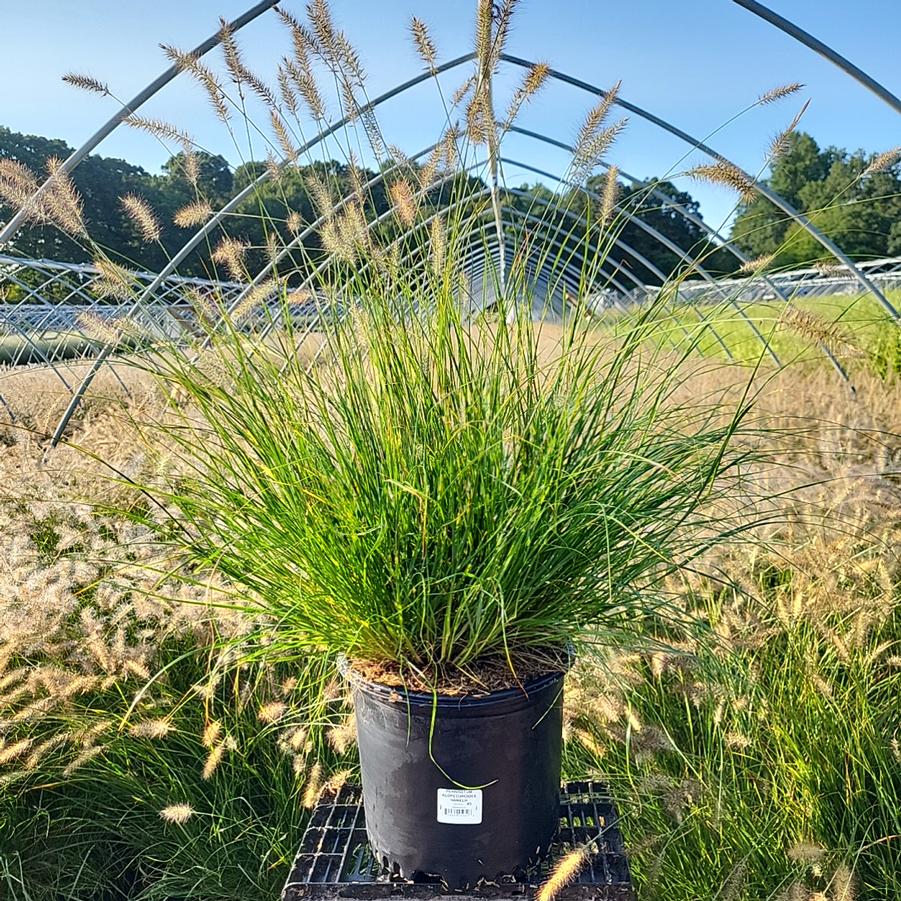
457, 805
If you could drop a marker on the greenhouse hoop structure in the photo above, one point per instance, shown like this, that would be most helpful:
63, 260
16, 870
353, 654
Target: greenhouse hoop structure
53, 314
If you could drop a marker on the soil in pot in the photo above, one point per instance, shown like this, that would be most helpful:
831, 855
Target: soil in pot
463, 787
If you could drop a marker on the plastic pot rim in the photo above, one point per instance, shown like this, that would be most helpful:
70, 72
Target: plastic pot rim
418, 699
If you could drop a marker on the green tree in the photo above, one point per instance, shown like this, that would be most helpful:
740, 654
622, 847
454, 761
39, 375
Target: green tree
103, 181
100, 181
859, 212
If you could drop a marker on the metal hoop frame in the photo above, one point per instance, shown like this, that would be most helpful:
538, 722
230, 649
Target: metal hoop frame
155, 290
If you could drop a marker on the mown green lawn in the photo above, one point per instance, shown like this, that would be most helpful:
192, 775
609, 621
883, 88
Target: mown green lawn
854, 327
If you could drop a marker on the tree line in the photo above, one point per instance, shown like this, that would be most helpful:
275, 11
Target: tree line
863, 215
849, 196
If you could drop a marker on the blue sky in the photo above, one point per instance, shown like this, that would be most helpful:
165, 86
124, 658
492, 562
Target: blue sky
695, 62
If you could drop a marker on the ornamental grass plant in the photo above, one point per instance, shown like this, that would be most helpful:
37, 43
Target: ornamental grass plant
726, 750
431, 496
452, 491
434, 493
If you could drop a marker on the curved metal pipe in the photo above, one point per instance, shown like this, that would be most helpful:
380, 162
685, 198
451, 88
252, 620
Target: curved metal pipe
674, 248
419, 226
265, 176
556, 241
560, 76
424, 223
14, 224
522, 63
654, 233
762, 189
725, 243
73, 290
650, 266
41, 354
834, 57
297, 240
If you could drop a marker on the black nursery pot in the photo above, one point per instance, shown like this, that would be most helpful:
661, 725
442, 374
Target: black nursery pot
474, 795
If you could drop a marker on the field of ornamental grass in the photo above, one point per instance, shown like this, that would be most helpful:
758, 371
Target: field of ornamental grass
146, 753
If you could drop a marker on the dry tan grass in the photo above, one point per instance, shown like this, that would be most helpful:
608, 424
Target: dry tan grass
36, 397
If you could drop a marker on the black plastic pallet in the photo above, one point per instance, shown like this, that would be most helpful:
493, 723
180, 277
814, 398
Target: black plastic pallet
334, 860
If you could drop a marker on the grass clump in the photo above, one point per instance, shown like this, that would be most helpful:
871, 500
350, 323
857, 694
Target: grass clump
434, 494
779, 736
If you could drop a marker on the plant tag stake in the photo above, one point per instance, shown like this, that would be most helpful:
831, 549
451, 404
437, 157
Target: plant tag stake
459, 805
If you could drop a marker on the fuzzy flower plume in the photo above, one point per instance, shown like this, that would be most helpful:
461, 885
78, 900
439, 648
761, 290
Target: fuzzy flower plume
255, 298
883, 161
778, 93
165, 131
294, 222
610, 195
781, 144
230, 254
211, 733
313, 787
401, 193
192, 214
177, 813
805, 852
843, 885
566, 871
17, 183
239, 70
86, 83
595, 139
532, 82
214, 758
140, 213
815, 328
343, 736
728, 175
188, 62
438, 245
13, 750
423, 42
62, 201
114, 281
153, 729
272, 712
758, 264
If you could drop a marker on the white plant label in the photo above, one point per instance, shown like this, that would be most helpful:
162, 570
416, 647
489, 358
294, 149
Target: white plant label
457, 805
